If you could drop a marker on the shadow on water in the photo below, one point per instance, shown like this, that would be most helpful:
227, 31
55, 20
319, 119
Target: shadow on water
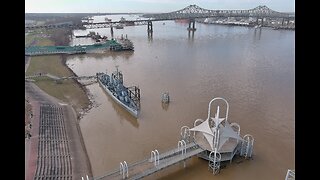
150, 37
257, 35
165, 106
191, 37
123, 114
114, 54
122, 54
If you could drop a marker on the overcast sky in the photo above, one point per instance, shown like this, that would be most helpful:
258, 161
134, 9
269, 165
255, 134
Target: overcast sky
116, 6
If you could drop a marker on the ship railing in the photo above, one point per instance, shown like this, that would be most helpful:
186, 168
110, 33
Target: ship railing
134, 94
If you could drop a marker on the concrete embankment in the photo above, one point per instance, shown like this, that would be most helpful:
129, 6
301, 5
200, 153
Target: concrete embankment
80, 164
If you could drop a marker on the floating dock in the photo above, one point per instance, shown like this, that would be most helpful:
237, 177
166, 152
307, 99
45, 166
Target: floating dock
112, 45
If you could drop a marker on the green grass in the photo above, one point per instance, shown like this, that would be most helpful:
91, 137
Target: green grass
48, 64
29, 38
41, 41
68, 91
45, 42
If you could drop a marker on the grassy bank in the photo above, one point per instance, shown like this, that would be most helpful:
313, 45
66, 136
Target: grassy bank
69, 91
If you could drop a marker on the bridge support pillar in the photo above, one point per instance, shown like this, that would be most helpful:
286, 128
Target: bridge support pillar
150, 28
261, 21
111, 30
193, 28
285, 21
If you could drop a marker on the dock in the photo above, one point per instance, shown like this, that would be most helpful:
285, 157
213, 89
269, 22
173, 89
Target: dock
149, 166
112, 45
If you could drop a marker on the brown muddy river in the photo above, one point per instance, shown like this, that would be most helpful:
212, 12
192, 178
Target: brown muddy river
252, 69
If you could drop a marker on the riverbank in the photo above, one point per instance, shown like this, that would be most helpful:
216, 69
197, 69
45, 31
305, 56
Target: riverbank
70, 96
42, 138
70, 91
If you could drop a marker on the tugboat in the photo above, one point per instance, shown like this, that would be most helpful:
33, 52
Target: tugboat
125, 43
127, 97
107, 20
119, 26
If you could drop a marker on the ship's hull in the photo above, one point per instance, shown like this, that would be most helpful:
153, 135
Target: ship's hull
133, 112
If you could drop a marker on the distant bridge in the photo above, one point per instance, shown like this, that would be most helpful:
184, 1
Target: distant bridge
190, 12
194, 11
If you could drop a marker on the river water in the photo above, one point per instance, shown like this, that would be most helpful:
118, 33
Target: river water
253, 69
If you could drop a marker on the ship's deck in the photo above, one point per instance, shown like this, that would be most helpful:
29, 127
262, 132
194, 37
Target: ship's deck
126, 105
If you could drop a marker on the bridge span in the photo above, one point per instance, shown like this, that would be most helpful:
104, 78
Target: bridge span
190, 12
194, 11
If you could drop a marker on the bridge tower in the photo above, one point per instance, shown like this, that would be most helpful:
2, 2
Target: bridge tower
150, 30
259, 18
193, 28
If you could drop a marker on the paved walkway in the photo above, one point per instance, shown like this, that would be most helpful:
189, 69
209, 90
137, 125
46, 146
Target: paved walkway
147, 166
79, 160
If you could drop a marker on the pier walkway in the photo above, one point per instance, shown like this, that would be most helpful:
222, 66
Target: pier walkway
149, 166
28, 78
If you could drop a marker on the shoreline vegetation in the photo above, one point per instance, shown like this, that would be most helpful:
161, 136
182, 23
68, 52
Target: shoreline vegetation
69, 91
27, 118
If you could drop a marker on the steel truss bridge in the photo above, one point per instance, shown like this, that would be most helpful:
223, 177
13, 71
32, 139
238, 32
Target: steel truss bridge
194, 11
190, 12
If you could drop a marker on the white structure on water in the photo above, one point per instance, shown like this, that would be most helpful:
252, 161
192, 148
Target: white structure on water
290, 175
220, 139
